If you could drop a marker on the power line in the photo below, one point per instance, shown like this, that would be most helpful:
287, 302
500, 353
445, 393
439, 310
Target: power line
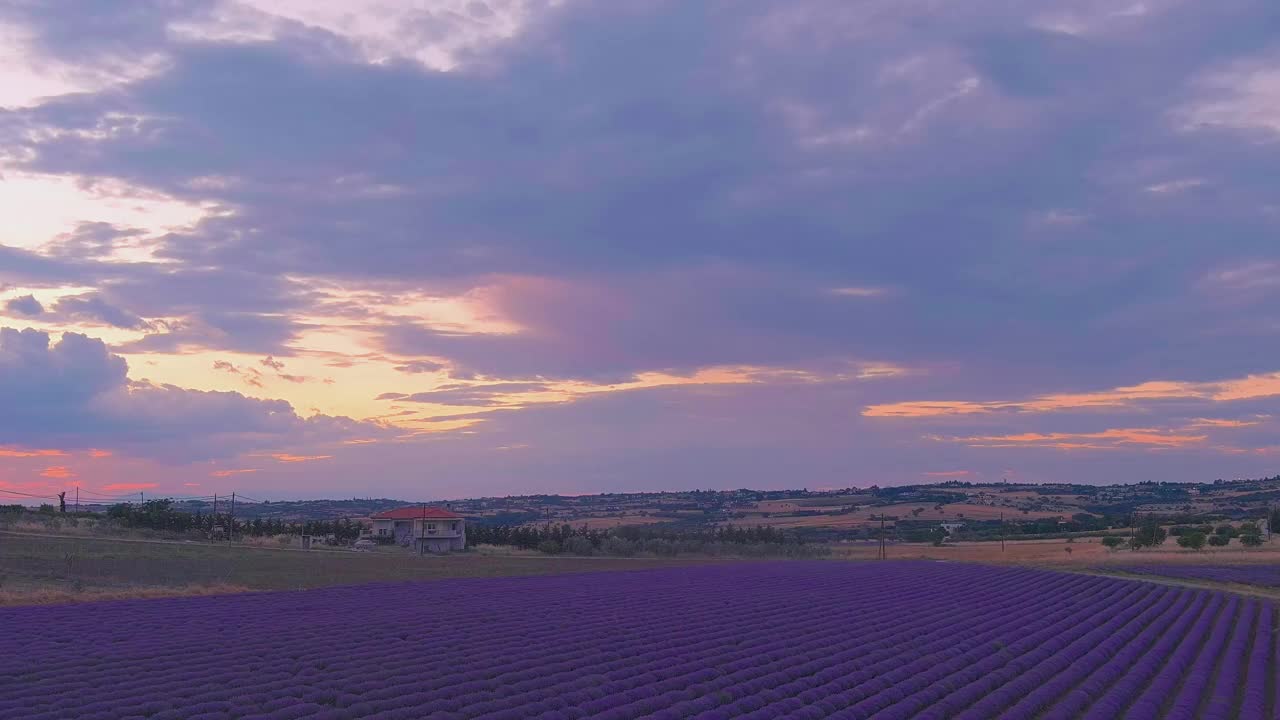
29, 495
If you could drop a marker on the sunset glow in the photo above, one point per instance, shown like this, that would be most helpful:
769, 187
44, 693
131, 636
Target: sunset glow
446, 248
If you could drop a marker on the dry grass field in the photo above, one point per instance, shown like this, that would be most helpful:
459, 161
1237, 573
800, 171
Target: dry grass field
606, 522
40, 569
862, 517
1084, 553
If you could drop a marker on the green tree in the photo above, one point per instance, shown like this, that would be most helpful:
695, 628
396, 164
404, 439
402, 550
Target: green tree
1111, 542
1149, 534
1217, 540
1192, 541
1250, 535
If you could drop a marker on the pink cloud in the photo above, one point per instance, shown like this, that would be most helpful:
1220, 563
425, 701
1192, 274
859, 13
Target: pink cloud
229, 473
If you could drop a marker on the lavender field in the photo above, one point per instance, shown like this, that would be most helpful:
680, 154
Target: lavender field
1262, 575
769, 640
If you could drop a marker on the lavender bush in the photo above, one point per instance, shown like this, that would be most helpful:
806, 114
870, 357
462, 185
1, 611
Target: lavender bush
1264, 575
760, 641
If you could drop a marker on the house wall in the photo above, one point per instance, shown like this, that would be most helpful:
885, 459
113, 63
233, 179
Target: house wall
442, 537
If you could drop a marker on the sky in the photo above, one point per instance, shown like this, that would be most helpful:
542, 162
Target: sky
451, 248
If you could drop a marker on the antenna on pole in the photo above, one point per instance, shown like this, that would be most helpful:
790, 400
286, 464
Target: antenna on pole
231, 518
1001, 531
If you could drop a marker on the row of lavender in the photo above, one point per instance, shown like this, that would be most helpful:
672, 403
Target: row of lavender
778, 640
1264, 575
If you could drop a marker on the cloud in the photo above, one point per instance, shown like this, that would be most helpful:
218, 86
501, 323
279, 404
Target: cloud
231, 473
77, 393
491, 395
24, 305
10, 452
57, 472
420, 366
1106, 439
92, 309
1223, 391
129, 486
289, 458
998, 198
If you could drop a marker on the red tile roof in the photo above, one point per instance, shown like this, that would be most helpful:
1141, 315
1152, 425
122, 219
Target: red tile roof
414, 513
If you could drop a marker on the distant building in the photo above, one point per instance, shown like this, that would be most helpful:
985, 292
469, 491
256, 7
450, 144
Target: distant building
427, 529
951, 527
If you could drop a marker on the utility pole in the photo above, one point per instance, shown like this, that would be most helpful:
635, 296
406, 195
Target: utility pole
215, 517
78, 507
882, 552
1001, 531
422, 545
231, 518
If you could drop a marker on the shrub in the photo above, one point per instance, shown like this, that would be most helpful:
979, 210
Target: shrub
550, 547
1251, 540
1192, 540
618, 546
1219, 540
1112, 542
578, 546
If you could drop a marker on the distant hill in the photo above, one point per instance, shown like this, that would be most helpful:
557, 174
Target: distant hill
840, 512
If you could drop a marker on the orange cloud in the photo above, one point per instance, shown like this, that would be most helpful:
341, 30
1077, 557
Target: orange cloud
57, 471
125, 487
99, 453
287, 458
1112, 439
359, 441
229, 473
928, 409
1247, 388
1253, 386
1220, 423
13, 452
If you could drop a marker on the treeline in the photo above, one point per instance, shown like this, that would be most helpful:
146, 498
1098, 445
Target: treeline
634, 540
160, 515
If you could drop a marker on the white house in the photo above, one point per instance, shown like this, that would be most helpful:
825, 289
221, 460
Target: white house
951, 527
427, 529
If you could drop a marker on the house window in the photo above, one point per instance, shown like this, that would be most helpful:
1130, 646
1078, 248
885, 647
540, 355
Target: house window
382, 531
453, 527
431, 526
